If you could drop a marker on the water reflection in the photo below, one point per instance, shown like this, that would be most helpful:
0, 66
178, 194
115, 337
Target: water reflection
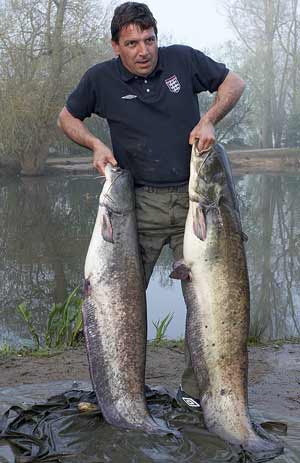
46, 228
271, 216
46, 225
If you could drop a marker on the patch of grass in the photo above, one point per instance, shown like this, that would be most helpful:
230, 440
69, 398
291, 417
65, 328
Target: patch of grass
256, 334
179, 344
161, 327
252, 341
64, 324
27, 317
171, 344
6, 351
41, 353
255, 341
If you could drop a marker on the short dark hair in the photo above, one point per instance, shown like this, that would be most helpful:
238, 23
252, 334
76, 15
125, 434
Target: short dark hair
131, 13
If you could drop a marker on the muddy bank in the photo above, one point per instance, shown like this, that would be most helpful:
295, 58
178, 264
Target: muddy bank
274, 373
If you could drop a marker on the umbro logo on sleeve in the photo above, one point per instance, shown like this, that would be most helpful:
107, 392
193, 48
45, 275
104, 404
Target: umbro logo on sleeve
128, 97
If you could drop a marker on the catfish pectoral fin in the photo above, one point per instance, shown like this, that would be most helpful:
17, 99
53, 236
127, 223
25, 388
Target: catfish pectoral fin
87, 287
199, 223
180, 271
106, 226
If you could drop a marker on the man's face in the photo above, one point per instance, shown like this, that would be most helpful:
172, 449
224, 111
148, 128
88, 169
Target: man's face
137, 49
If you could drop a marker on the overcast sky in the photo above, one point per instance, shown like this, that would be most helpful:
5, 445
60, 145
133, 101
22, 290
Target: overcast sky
199, 23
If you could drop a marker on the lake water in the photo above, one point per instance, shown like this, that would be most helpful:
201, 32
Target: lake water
46, 225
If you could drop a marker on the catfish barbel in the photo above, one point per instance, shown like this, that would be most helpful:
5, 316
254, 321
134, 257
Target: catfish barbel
114, 311
218, 303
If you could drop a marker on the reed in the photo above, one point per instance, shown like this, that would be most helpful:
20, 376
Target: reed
27, 317
64, 322
161, 327
63, 325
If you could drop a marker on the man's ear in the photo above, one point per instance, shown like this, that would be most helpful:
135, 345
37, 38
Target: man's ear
116, 47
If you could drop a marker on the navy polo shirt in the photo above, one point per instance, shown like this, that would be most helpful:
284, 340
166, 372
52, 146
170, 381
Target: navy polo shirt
150, 118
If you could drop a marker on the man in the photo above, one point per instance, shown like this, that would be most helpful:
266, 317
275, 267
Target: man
149, 97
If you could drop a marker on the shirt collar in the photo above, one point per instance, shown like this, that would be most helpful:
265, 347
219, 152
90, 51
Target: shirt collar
126, 75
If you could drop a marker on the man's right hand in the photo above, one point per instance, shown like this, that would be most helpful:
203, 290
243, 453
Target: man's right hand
75, 129
103, 156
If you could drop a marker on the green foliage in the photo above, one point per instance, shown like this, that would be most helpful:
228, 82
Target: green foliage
180, 343
255, 341
27, 317
161, 327
176, 344
7, 350
25, 351
64, 322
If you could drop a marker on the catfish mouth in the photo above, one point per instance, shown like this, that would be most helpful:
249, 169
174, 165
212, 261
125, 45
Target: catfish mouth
116, 169
111, 196
113, 173
206, 178
205, 167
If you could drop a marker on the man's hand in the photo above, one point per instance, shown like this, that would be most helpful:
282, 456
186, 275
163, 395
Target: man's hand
204, 132
103, 156
228, 94
75, 129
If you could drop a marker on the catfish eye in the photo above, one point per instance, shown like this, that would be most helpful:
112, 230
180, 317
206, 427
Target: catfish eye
207, 178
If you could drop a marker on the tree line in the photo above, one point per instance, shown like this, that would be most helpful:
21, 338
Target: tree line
46, 45
268, 42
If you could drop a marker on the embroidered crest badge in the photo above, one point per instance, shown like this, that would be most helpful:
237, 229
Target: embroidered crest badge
173, 84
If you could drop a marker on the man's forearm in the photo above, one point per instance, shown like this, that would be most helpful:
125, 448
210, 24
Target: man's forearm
76, 130
227, 96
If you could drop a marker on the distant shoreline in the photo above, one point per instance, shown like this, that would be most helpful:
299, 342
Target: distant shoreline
243, 162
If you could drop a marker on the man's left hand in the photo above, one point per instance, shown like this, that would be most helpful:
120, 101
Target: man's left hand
204, 132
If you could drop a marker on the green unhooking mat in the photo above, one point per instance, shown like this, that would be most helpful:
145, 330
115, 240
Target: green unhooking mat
57, 431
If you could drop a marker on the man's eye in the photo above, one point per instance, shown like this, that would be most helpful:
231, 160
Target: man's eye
150, 40
131, 44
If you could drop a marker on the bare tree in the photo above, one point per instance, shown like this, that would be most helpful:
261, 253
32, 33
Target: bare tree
43, 45
267, 32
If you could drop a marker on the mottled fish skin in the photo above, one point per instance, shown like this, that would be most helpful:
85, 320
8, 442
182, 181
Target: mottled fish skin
114, 310
218, 304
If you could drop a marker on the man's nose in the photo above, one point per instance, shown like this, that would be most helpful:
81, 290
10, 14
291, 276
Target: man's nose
143, 48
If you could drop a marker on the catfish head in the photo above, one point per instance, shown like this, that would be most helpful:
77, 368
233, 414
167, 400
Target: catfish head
117, 198
117, 193
208, 185
207, 176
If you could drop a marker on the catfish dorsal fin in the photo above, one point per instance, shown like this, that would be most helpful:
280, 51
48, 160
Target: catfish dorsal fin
106, 226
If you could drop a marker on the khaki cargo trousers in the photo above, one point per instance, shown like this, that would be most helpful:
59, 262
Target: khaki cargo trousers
161, 215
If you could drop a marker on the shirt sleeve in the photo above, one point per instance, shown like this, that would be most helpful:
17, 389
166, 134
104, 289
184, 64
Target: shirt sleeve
81, 102
207, 74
